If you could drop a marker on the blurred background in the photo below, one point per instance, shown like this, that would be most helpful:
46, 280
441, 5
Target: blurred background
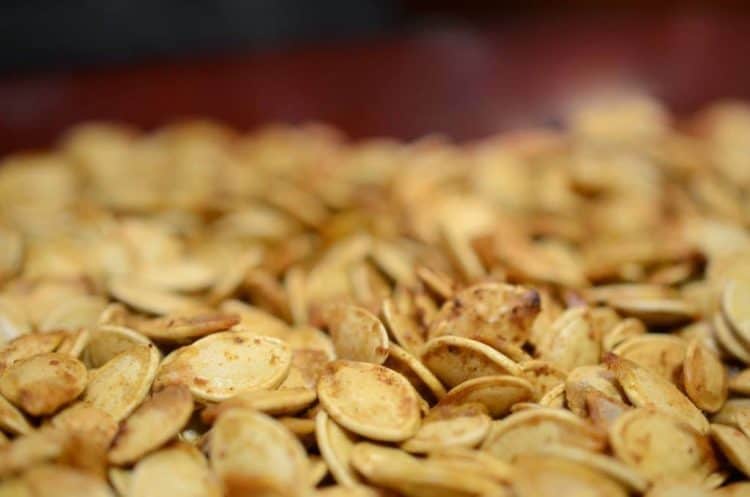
371, 67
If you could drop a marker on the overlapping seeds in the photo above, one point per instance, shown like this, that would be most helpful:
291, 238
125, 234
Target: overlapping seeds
196, 312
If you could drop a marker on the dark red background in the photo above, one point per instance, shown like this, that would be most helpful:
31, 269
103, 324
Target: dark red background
462, 82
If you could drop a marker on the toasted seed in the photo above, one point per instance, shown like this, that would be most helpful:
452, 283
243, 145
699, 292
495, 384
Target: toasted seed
309, 365
394, 469
659, 353
147, 298
543, 375
253, 453
224, 364
73, 314
404, 328
90, 431
463, 425
734, 412
544, 475
734, 444
178, 471
426, 384
370, 400
554, 398
647, 389
106, 341
307, 338
571, 341
603, 410
606, 465
43, 383
155, 422
586, 379
489, 313
122, 383
497, 393
74, 344
27, 346
456, 359
255, 319
178, 329
527, 430
61, 481
705, 378
302, 427
335, 445
625, 329
475, 461
357, 334
660, 446
655, 311
273, 402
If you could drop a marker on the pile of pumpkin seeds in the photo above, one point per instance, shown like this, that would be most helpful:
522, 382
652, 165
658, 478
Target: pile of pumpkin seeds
198, 312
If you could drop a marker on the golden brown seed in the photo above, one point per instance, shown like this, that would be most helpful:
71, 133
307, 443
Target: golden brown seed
427, 385
253, 453
662, 354
179, 471
274, 402
122, 383
335, 445
705, 378
357, 334
497, 393
224, 364
27, 346
370, 400
489, 313
647, 389
528, 430
456, 359
734, 444
179, 329
548, 476
43, 383
660, 446
464, 425
156, 421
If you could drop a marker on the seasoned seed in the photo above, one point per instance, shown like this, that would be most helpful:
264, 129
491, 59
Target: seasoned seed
43, 383
370, 400
224, 364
